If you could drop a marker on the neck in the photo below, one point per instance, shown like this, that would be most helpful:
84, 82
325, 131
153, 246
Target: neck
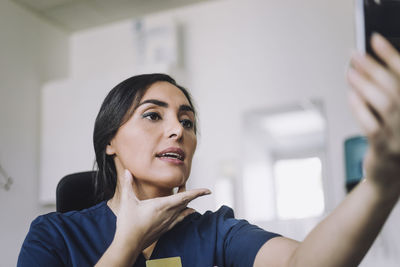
145, 191
142, 191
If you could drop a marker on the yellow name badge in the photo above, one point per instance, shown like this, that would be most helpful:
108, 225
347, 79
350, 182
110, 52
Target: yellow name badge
166, 262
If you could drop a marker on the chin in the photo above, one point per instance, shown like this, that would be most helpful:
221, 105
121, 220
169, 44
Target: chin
171, 181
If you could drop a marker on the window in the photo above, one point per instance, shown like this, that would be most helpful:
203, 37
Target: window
298, 188
284, 159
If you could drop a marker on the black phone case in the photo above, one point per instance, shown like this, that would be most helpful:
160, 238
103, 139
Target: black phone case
383, 17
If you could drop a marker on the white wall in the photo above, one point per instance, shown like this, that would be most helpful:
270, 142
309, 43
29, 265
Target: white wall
31, 52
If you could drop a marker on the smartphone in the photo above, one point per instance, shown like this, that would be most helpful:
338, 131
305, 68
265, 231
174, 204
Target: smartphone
382, 16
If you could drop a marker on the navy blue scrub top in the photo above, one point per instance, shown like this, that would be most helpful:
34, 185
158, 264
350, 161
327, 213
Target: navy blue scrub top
79, 238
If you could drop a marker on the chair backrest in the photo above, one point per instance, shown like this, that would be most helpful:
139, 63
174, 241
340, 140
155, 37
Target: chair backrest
76, 192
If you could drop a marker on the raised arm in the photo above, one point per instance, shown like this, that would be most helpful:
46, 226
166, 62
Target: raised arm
344, 237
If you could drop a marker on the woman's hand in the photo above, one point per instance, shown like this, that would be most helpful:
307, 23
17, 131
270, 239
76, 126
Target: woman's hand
375, 101
141, 222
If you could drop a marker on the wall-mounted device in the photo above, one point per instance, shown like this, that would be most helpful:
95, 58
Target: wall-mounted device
5, 180
354, 152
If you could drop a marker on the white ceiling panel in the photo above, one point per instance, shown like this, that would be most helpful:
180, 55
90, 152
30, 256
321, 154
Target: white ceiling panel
77, 16
43, 4
74, 15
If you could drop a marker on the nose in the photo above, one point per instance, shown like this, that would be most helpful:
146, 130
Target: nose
175, 130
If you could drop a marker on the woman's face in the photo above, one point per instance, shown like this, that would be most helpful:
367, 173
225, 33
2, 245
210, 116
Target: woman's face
158, 142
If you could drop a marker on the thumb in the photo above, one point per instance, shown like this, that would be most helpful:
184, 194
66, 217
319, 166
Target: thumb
126, 185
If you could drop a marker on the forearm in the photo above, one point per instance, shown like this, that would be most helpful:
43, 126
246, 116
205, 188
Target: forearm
119, 254
345, 236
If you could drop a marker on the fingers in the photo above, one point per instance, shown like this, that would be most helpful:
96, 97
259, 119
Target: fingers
385, 50
126, 186
376, 99
377, 85
183, 198
376, 96
375, 72
367, 120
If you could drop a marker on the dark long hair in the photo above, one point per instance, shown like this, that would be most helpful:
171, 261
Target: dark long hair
117, 108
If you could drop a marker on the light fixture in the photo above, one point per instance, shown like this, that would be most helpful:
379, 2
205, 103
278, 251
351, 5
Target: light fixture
294, 123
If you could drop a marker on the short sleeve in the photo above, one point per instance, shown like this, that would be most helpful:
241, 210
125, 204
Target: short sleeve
241, 240
39, 247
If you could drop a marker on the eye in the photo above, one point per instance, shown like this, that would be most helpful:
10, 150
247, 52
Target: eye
152, 116
188, 124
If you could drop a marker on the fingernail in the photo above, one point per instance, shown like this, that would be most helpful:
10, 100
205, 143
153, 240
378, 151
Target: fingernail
127, 174
375, 35
208, 192
378, 38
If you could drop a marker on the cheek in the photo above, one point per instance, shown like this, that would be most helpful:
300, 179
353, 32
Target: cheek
192, 145
135, 149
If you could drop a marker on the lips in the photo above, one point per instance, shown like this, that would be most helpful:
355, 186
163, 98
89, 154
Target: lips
172, 153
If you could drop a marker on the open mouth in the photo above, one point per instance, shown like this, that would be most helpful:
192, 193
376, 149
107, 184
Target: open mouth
172, 153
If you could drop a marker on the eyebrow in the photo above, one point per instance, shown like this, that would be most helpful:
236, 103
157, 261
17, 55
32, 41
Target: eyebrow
165, 105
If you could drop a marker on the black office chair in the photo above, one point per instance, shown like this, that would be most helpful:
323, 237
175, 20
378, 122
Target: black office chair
76, 192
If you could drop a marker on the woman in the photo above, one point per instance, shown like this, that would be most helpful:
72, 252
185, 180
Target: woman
145, 137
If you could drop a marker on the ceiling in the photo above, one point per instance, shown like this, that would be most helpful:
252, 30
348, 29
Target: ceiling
74, 15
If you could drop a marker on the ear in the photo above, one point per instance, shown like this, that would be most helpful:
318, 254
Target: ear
110, 149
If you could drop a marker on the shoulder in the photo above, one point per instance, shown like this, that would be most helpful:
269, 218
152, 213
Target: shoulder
97, 210
53, 219
211, 224
236, 240
52, 235
226, 227
54, 227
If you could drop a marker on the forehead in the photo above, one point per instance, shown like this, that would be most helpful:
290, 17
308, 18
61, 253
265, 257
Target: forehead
167, 92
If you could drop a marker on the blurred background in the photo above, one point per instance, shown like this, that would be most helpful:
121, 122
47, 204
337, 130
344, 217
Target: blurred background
267, 77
